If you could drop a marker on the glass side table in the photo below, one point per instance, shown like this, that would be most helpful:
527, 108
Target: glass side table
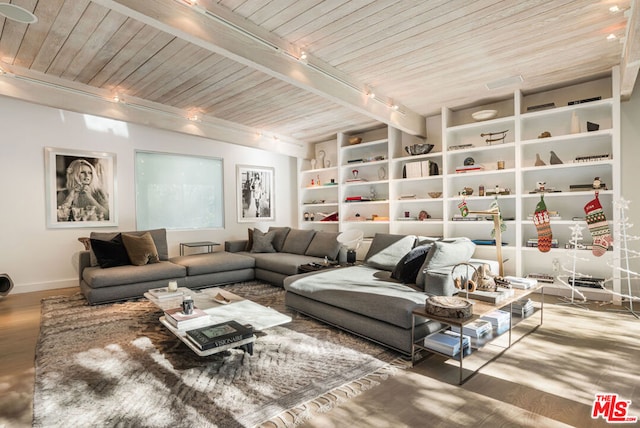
208, 244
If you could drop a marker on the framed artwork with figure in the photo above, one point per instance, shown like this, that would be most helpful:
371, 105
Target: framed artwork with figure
80, 188
255, 185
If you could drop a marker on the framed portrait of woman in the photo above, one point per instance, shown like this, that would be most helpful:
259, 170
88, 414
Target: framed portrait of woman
255, 187
80, 188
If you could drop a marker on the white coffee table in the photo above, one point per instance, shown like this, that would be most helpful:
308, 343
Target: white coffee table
238, 309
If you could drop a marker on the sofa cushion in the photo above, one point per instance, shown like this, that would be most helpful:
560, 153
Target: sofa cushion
281, 235
386, 250
263, 242
159, 239
408, 267
219, 261
297, 241
282, 263
363, 290
324, 244
445, 255
141, 249
110, 253
96, 277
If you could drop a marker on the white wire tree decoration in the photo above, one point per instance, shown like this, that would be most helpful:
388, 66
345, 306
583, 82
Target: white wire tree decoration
623, 270
570, 272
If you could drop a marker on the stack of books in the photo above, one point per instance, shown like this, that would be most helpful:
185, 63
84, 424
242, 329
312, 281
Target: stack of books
499, 320
357, 199
592, 158
479, 332
470, 217
448, 343
218, 335
181, 321
469, 168
541, 277
521, 283
417, 169
533, 242
586, 281
491, 296
585, 187
522, 308
164, 293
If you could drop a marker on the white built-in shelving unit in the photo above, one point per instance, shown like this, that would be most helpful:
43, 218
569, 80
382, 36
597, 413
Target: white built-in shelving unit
380, 160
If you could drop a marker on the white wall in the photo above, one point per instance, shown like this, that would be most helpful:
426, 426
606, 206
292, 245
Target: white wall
630, 136
38, 258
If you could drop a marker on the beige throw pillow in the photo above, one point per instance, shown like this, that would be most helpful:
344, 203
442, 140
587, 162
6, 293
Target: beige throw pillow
141, 249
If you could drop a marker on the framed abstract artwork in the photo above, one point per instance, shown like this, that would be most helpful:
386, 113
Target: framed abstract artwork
255, 193
80, 188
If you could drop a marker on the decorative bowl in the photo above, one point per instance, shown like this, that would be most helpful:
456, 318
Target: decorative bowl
435, 194
484, 114
468, 191
355, 140
418, 149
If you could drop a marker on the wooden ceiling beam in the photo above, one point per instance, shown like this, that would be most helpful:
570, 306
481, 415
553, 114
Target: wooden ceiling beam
224, 33
630, 64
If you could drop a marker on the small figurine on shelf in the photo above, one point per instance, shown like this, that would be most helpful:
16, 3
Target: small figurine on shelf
554, 160
596, 183
539, 162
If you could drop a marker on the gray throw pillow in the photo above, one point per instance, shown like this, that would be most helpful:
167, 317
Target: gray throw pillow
446, 254
281, 235
298, 241
263, 242
387, 250
324, 244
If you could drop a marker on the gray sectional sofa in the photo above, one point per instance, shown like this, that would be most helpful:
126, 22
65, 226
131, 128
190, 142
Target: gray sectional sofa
374, 299
290, 248
119, 279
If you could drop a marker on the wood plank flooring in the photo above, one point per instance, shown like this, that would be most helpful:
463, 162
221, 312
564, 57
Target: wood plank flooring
548, 379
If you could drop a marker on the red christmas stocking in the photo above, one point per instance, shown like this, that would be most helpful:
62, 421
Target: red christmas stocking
598, 226
464, 209
543, 225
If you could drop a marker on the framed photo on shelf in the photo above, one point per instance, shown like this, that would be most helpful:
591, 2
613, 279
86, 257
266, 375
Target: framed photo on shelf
80, 188
255, 188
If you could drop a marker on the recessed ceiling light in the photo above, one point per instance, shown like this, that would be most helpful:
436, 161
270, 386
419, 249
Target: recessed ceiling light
612, 37
17, 13
614, 9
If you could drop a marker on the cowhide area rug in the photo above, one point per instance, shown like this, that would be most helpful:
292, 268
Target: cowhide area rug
116, 365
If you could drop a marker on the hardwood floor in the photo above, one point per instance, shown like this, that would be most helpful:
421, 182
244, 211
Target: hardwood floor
548, 379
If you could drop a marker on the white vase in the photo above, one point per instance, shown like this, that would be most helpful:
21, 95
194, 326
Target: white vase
575, 123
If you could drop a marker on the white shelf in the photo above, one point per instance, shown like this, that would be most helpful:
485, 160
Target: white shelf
519, 151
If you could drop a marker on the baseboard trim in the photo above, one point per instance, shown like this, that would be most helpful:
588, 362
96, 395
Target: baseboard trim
43, 286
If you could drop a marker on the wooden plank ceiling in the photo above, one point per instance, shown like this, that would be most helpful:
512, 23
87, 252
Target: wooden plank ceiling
420, 54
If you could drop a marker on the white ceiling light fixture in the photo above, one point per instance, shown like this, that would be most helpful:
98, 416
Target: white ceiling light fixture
17, 13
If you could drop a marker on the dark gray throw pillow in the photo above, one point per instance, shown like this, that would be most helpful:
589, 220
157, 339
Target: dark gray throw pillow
281, 235
110, 253
408, 267
263, 242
